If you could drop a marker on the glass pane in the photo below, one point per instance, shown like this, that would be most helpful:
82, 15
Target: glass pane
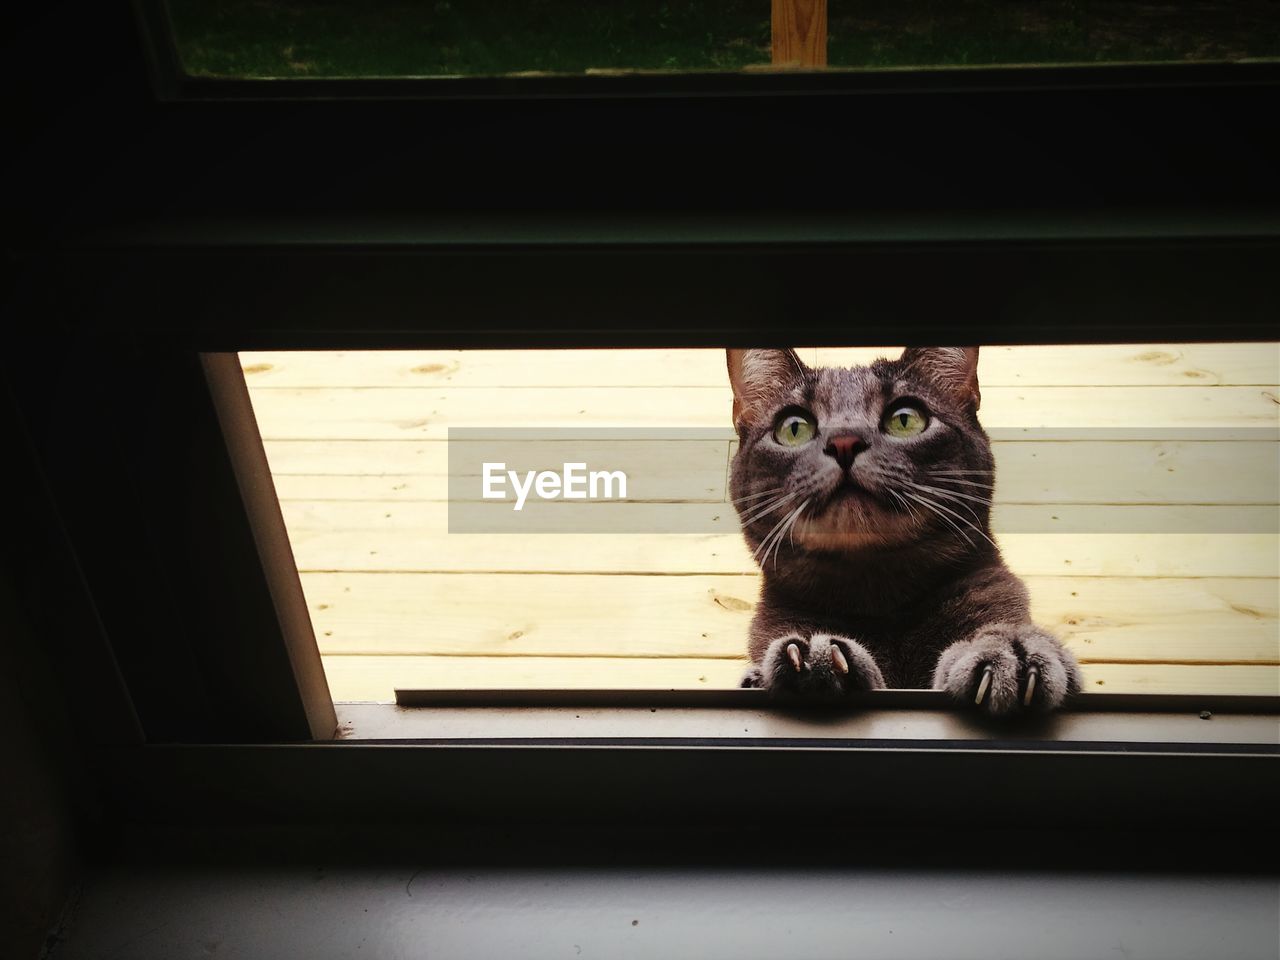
1136, 496
395, 38
355, 38
863, 33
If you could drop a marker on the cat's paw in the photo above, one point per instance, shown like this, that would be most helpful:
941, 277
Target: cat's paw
823, 666
1008, 668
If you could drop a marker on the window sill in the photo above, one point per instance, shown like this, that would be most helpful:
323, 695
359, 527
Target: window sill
724, 767
749, 718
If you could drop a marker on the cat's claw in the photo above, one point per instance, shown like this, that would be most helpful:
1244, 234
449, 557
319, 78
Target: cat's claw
1008, 668
984, 685
821, 667
1032, 673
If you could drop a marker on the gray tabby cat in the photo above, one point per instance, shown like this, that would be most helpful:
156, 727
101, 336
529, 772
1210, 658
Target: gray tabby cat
865, 494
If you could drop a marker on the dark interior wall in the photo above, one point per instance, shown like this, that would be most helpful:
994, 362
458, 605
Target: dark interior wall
43, 792
94, 147
88, 146
37, 819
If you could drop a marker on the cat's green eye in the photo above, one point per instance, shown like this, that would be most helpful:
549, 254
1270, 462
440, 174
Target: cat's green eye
795, 430
904, 422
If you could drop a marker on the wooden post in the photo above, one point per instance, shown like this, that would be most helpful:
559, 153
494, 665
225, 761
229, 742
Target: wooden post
799, 33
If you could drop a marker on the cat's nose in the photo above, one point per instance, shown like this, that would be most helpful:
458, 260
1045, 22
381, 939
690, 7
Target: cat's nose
844, 448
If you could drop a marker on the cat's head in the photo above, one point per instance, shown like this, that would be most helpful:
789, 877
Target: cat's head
861, 458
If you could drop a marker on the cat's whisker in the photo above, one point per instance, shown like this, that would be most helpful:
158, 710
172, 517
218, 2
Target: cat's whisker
948, 493
763, 513
967, 483
792, 529
757, 496
959, 503
956, 496
930, 505
791, 526
768, 508
888, 482
936, 507
899, 499
763, 548
762, 552
775, 535
790, 522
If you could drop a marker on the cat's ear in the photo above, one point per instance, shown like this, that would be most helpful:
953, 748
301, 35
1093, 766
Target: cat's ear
953, 369
756, 374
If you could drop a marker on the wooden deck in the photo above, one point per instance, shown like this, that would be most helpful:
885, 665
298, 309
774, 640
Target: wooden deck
356, 442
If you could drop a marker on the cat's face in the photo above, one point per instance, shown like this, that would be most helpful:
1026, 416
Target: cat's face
859, 458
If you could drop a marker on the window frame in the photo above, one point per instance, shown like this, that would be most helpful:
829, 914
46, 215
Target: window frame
523, 713
127, 298
117, 188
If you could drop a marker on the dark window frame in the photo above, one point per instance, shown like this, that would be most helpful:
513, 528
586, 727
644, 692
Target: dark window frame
181, 240
123, 297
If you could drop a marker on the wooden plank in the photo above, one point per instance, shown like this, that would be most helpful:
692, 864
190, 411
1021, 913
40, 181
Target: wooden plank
396, 413
1085, 471
1012, 519
799, 33
685, 470
1161, 620
1177, 678
375, 678
1089, 555
407, 537
1101, 619
1082, 471
313, 713
531, 615
464, 369
1167, 365
689, 519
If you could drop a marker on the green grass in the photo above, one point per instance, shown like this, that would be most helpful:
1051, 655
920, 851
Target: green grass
364, 38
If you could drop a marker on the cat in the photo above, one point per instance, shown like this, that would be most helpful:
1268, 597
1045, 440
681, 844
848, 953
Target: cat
865, 496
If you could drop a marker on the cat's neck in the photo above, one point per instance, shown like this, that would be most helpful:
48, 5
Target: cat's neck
882, 581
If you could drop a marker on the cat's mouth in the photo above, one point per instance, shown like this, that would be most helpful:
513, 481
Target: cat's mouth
851, 516
848, 491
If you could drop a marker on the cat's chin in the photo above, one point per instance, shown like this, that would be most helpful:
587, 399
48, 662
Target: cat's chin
830, 538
